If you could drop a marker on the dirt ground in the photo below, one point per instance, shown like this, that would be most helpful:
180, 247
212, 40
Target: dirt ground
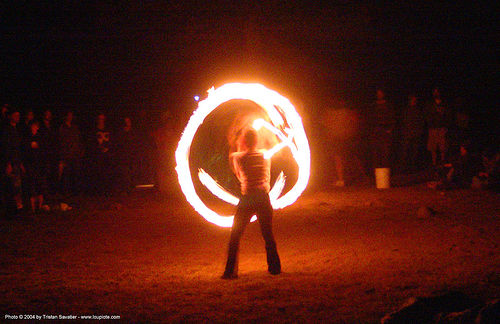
349, 255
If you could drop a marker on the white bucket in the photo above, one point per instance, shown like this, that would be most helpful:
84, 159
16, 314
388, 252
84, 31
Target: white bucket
383, 178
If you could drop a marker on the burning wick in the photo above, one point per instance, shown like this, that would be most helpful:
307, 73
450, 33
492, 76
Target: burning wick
286, 140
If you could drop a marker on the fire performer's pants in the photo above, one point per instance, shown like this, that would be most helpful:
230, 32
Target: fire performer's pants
256, 203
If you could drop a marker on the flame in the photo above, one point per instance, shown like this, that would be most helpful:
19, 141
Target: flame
217, 190
296, 139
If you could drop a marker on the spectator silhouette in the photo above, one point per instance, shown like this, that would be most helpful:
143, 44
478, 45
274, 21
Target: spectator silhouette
70, 155
12, 165
146, 151
413, 127
126, 154
33, 161
437, 117
49, 134
383, 122
459, 127
100, 150
25, 126
4, 117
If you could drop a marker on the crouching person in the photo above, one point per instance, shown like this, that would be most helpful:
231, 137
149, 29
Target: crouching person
459, 172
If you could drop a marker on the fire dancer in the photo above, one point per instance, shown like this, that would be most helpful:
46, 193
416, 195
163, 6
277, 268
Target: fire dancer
254, 173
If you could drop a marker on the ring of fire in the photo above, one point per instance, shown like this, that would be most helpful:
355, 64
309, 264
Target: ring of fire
268, 100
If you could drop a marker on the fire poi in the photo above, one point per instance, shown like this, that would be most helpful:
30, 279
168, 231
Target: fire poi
284, 122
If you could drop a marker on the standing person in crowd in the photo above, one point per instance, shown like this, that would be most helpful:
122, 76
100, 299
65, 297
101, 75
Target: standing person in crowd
126, 154
459, 127
70, 155
413, 127
33, 149
49, 134
12, 165
3, 124
146, 152
100, 151
166, 137
339, 131
437, 115
4, 117
383, 122
254, 173
25, 126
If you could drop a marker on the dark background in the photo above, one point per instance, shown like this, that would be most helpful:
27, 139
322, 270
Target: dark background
96, 56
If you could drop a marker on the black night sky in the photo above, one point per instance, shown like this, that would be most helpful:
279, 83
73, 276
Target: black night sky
96, 56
